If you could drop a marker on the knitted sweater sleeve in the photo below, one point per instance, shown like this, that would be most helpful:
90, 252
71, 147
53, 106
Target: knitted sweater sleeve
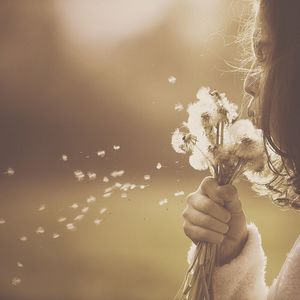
244, 277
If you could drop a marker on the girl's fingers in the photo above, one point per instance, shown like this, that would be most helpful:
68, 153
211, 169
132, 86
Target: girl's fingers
199, 234
209, 207
226, 194
205, 221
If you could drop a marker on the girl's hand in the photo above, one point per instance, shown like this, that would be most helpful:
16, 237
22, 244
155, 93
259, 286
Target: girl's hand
214, 214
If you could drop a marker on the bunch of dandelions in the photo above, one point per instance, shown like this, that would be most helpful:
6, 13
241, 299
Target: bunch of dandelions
215, 139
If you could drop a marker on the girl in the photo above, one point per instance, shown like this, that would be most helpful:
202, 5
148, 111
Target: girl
272, 82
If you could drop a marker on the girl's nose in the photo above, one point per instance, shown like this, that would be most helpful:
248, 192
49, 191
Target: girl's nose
251, 83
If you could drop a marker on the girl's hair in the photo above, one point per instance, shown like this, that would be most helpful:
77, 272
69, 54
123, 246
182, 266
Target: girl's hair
279, 92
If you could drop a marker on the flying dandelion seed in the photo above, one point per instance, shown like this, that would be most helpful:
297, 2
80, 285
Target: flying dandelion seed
105, 179
158, 166
180, 193
42, 207
103, 210
19, 264
10, 172
142, 186
79, 175
16, 281
91, 175
40, 230
147, 177
55, 235
71, 226
118, 185
97, 221
163, 201
124, 195
117, 173
74, 205
91, 199
79, 218
87, 156
116, 147
178, 107
85, 210
2, 221
172, 79
101, 153
23, 238
62, 219
107, 195
64, 157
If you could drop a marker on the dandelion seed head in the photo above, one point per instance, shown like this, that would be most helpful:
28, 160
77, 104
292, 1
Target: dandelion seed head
172, 79
42, 207
23, 238
103, 210
79, 175
179, 143
64, 157
91, 199
101, 153
85, 209
147, 177
91, 175
198, 161
97, 221
10, 172
179, 193
16, 281
55, 235
163, 201
79, 218
40, 230
71, 226
117, 173
178, 107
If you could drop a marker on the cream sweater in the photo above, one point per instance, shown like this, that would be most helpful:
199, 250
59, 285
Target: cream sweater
244, 277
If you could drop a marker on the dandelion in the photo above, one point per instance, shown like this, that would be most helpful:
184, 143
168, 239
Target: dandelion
40, 230
71, 226
116, 147
172, 79
2, 221
16, 281
42, 207
180, 193
91, 175
19, 264
105, 179
74, 206
158, 166
23, 238
97, 221
79, 175
183, 142
91, 199
163, 201
85, 209
101, 153
10, 172
106, 195
64, 157
79, 218
55, 235
117, 173
103, 210
147, 177
178, 107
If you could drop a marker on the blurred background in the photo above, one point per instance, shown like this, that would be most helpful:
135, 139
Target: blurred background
98, 86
